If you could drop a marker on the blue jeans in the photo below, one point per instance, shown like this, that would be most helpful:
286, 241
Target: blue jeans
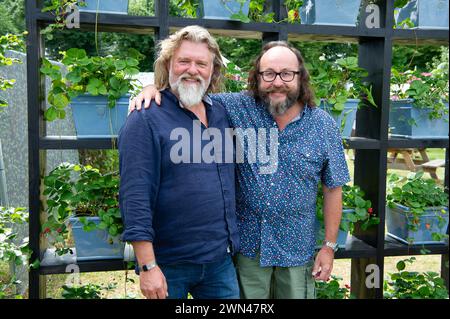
215, 280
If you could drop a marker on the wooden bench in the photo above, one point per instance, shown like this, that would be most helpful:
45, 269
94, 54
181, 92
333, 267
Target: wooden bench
432, 166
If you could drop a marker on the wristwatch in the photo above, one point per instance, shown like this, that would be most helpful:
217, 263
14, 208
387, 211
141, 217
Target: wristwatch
332, 245
147, 267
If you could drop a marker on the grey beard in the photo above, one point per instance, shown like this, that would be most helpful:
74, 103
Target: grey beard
189, 95
279, 108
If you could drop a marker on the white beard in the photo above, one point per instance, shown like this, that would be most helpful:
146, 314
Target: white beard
190, 94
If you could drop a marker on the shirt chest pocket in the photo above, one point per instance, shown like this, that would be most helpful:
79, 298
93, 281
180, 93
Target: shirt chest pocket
307, 164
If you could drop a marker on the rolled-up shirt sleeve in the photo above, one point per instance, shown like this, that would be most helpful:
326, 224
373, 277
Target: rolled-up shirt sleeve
335, 172
139, 162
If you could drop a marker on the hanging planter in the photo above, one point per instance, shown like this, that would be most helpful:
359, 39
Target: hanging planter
224, 9
95, 87
423, 14
406, 120
338, 86
417, 211
344, 118
105, 6
86, 201
403, 226
96, 244
330, 12
93, 117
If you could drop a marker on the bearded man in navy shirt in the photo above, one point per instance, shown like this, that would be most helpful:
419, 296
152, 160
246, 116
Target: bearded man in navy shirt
179, 208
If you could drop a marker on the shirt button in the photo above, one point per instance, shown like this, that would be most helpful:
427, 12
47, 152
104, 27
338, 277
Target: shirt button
263, 220
268, 204
272, 184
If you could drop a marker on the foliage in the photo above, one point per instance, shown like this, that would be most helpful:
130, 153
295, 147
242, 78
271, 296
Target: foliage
258, 12
109, 76
241, 51
12, 16
415, 57
428, 89
60, 9
418, 194
8, 42
414, 285
10, 252
141, 7
82, 191
336, 81
104, 160
108, 44
89, 291
60, 38
292, 9
183, 8
239, 15
407, 23
415, 192
235, 79
352, 198
331, 289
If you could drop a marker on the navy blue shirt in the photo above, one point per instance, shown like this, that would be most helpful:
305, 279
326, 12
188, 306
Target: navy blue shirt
169, 194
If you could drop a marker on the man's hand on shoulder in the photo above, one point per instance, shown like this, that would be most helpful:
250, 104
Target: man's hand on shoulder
148, 94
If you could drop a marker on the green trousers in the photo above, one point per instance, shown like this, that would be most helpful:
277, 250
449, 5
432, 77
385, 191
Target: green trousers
256, 282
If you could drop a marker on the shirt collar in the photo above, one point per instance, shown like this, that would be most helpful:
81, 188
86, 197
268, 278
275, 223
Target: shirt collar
302, 113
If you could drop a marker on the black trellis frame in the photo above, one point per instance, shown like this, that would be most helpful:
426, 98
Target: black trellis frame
371, 145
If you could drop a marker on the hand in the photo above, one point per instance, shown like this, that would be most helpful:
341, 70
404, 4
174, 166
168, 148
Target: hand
323, 264
153, 284
148, 93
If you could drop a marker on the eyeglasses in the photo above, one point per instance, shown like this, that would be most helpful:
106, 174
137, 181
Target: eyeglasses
286, 76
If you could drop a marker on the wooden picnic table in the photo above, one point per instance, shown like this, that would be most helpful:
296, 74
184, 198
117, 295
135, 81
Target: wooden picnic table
413, 159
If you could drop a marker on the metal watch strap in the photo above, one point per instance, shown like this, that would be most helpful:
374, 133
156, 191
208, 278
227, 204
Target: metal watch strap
147, 267
332, 245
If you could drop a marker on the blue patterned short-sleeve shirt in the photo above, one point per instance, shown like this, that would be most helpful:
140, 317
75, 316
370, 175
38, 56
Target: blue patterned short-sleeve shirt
276, 211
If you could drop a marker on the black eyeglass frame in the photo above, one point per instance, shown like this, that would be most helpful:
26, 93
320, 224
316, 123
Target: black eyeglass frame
278, 74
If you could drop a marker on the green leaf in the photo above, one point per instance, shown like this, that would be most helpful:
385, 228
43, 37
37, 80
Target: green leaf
74, 76
115, 83
76, 53
339, 107
131, 71
401, 265
60, 101
120, 65
50, 114
132, 62
360, 202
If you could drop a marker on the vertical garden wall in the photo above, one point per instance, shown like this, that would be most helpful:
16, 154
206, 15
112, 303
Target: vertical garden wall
374, 33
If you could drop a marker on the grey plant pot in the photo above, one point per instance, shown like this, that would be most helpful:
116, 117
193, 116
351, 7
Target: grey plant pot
106, 6
429, 14
330, 12
216, 9
403, 111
